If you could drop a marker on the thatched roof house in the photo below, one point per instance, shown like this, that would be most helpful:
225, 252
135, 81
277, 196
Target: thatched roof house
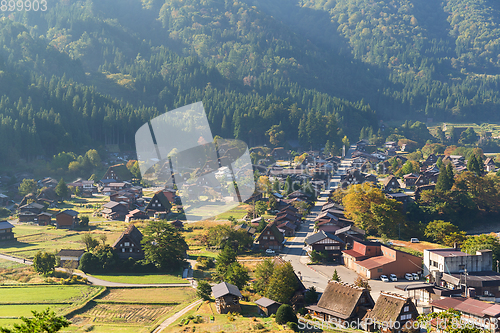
390, 308
342, 302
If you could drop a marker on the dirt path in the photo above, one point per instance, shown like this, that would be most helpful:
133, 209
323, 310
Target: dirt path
176, 316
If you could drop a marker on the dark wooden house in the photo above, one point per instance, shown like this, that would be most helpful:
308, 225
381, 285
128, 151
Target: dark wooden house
67, 219
118, 172
6, 231
267, 306
326, 243
271, 238
136, 214
44, 218
128, 245
115, 210
158, 203
227, 298
70, 257
390, 183
390, 308
342, 302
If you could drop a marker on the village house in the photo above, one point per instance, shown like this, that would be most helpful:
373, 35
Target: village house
115, 210
248, 229
390, 308
287, 228
410, 179
29, 212
326, 243
271, 238
136, 214
158, 203
6, 231
372, 259
3, 200
118, 173
227, 298
267, 306
390, 184
350, 234
482, 314
489, 164
128, 245
70, 257
342, 302
67, 219
44, 218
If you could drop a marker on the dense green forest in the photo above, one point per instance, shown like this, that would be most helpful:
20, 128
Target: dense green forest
89, 73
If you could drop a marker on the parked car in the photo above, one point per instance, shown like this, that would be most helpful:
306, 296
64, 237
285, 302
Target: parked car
415, 276
270, 251
393, 277
414, 240
409, 277
384, 278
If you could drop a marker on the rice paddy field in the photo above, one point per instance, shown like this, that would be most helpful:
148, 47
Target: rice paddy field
134, 310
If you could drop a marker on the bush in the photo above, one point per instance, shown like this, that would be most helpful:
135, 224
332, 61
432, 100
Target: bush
302, 311
307, 316
258, 326
285, 314
293, 326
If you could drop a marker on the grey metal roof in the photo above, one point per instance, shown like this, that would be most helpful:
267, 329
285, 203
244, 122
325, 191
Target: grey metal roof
225, 288
319, 236
265, 302
5, 225
69, 212
71, 253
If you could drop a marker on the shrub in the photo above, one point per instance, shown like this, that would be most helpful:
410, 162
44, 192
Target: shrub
293, 326
307, 316
285, 314
258, 326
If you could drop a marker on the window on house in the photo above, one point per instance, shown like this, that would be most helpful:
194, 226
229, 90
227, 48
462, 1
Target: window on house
271, 237
265, 237
127, 243
380, 270
131, 250
123, 250
461, 267
405, 316
406, 308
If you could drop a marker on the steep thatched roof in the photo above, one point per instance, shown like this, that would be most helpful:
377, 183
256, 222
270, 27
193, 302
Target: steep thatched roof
387, 308
342, 298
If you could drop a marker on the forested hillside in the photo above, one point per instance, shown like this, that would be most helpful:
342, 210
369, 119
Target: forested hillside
87, 73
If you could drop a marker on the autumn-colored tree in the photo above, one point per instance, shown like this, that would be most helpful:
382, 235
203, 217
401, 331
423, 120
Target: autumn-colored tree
362, 283
369, 208
437, 230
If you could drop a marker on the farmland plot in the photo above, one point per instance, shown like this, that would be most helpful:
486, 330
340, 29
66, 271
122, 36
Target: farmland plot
126, 313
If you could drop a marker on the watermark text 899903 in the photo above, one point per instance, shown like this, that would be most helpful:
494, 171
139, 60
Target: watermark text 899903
23, 5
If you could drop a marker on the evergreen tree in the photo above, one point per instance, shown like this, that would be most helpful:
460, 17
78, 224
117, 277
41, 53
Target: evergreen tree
237, 274
263, 274
225, 258
62, 189
203, 290
336, 276
444, 182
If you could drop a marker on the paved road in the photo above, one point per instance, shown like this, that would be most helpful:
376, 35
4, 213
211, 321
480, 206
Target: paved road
15, 259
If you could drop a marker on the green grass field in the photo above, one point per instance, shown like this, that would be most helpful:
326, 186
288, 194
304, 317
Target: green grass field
143, 278
45, 294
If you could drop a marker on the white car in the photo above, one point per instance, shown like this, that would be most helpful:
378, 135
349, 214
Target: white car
393, 277
409, 277
414, 240
384, 278
415, 276
270, 251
